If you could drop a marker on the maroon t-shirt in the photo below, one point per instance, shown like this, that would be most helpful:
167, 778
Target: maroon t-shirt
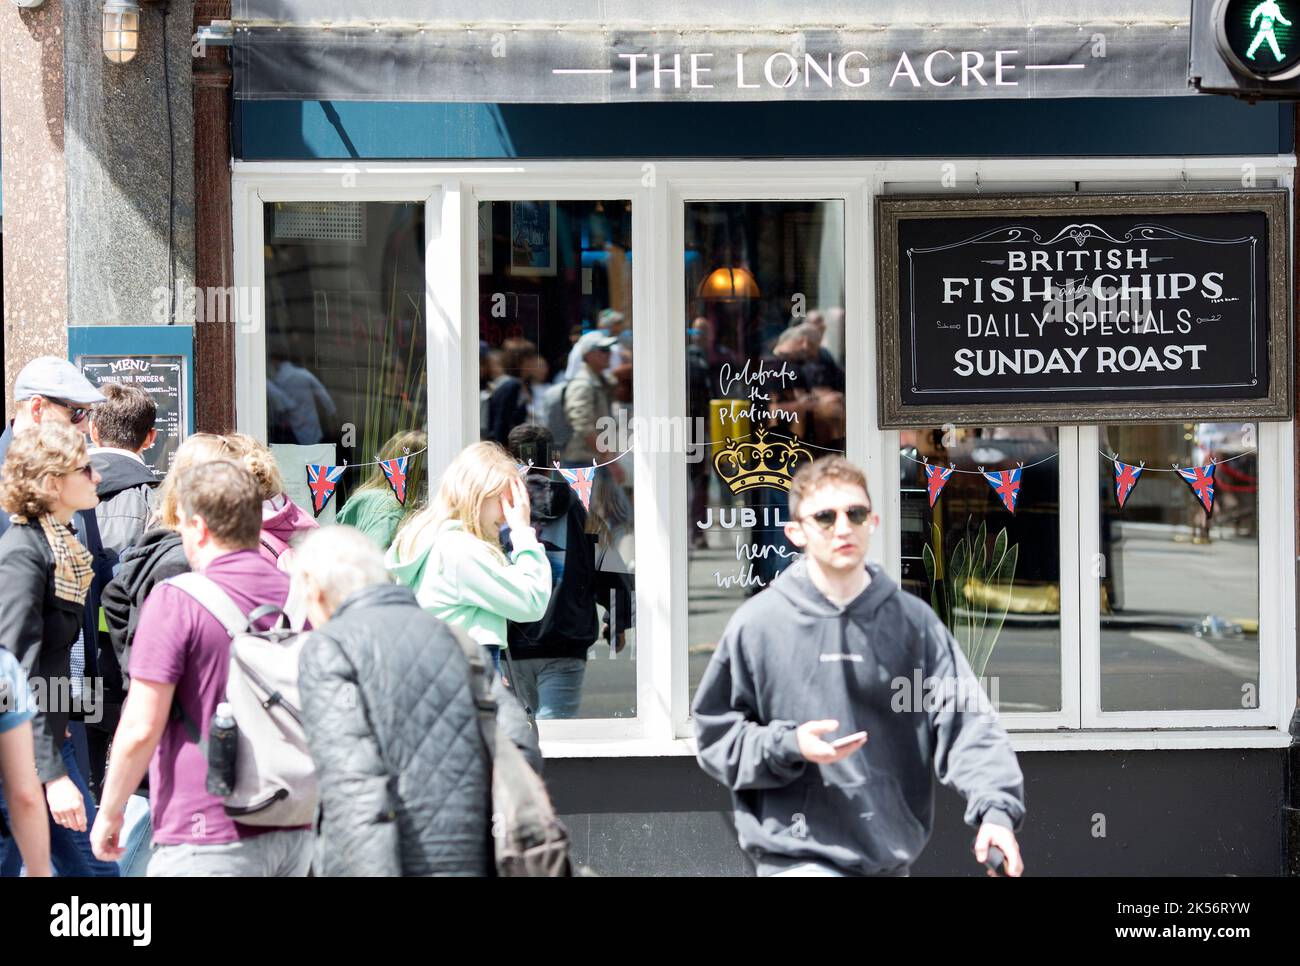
178, 642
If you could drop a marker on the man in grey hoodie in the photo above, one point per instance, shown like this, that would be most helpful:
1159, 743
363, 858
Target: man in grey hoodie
835, 647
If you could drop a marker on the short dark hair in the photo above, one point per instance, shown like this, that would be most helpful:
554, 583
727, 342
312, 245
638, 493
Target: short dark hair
125, 418
829, 469
531, 441
227, 498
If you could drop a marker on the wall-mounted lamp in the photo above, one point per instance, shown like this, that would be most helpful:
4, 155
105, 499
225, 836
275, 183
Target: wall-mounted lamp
121, 30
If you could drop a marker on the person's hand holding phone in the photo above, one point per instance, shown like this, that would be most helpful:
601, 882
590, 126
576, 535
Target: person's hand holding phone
1003, 839
818, 750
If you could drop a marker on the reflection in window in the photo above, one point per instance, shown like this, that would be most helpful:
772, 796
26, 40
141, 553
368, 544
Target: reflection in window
764, 323
555, 386
345, 351
993, 576
1180, 588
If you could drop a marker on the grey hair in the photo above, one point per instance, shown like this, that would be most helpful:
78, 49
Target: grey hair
340, 560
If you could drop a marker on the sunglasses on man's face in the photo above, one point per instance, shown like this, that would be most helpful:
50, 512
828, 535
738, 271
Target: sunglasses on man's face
76, 413
857, 514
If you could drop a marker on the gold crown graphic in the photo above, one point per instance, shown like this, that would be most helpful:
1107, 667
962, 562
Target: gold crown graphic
750, 465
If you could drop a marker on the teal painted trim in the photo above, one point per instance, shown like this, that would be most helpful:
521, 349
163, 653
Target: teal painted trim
137, 340
1084, 127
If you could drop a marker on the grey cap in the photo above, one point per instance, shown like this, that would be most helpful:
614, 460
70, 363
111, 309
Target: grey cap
58, 378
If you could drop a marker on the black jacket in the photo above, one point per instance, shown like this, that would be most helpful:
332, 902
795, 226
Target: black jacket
392, 726
39, 629
153, 558
569, 625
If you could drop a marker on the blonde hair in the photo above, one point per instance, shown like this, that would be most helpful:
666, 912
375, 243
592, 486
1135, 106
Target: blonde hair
196, 450
258, 459
36, 454
480, 473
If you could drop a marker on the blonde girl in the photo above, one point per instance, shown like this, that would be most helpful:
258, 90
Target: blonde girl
450, 554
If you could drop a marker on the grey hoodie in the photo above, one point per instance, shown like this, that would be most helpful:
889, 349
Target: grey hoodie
788, 656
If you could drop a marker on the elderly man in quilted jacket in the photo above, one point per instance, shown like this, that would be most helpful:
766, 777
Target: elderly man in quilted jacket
391, 721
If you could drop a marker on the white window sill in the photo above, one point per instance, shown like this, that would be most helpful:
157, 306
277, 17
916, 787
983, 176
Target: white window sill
1169, 740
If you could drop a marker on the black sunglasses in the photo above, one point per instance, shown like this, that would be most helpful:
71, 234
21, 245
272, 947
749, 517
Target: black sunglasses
88, 471
857, 514
78, 412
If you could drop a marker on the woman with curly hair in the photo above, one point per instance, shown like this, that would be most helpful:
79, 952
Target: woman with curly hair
45, 574
283, 521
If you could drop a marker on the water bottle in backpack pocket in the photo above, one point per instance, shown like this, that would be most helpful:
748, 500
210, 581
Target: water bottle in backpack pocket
274, 778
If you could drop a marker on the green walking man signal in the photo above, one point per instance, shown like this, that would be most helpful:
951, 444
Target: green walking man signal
1267, 13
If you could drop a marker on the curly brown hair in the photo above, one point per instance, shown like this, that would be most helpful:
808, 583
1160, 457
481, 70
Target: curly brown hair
256, 457
36, 454
829, 469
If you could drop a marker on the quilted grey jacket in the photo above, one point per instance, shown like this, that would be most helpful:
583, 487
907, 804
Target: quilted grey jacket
391, 723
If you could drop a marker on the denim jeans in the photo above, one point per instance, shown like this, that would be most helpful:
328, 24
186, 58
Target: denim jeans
137, 831
551, 686
70, 852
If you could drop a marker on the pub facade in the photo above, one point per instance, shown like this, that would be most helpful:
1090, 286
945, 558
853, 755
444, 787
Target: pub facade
1014, 266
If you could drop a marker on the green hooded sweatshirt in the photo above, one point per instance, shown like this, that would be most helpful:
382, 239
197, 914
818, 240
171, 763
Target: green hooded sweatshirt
462, 580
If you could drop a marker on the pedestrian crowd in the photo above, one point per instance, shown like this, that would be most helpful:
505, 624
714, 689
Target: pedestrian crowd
197, 679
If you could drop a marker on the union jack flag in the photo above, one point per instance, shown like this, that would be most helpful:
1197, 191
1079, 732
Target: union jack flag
321, 480
580, 479
935, 478
1201, 480
1006, 484
395, 471
1126, 477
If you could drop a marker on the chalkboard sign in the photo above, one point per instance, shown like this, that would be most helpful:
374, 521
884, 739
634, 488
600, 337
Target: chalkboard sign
1083, 308
156, 358
164, 379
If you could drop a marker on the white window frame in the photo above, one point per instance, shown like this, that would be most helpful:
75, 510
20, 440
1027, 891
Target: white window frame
658, 191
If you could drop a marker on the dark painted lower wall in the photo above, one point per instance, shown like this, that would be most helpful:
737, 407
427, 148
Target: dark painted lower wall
1165, 813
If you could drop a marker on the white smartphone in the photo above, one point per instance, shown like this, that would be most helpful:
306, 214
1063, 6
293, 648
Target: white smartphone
848, 739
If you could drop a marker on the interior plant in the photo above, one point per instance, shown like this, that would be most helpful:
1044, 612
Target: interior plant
971, 590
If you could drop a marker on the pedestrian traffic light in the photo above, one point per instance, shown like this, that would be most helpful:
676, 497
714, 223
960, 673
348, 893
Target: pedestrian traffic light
1250, 48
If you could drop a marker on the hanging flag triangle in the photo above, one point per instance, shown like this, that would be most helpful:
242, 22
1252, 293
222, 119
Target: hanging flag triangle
1201, 480
580, 479
395, 471
1006, 484
935, 479
1126, 477
321, 480
523, 468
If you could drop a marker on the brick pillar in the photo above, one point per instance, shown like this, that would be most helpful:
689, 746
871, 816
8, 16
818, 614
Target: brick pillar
35, 187
214, 337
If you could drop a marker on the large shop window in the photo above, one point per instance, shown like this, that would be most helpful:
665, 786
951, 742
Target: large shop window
345, 353
1180, 588
994, 576
764, 323
555, 387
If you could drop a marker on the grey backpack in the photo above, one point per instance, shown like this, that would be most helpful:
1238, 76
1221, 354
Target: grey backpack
275, 778
553, 415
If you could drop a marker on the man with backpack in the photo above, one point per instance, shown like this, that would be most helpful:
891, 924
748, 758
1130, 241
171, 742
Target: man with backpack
179, 667
584, 401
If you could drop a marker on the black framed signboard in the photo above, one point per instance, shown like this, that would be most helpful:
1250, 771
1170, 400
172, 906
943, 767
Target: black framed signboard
1083, 308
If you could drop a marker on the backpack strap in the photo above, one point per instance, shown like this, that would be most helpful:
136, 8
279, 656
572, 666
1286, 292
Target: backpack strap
212, 599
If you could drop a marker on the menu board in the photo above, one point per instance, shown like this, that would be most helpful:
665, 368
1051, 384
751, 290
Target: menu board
166, 379
1084, 308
